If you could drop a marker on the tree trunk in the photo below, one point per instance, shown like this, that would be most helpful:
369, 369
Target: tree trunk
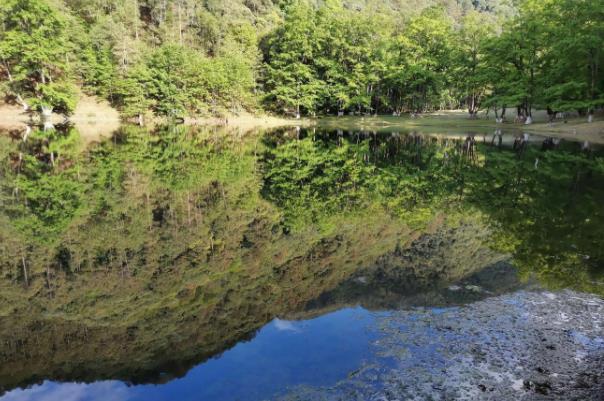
46, 112
26, 133
473, 106
48, 282
17, 96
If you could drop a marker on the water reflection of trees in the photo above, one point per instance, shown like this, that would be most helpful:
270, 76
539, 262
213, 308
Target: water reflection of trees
49, 183
544, 198
158, 243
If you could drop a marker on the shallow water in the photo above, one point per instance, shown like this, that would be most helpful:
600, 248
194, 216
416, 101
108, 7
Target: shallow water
188, 263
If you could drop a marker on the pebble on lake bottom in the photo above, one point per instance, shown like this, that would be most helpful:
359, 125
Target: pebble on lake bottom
533, 346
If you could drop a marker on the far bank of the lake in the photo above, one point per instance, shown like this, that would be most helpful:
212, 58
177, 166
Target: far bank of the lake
94, 112
456, 121
96, 118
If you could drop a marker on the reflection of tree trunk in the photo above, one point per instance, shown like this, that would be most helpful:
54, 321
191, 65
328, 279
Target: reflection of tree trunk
149, 211
136, 13
25, 136
516, 187
25, 271
189, 207
48, 282
125, 266
223, 195
593, 67
575, 183
180, 23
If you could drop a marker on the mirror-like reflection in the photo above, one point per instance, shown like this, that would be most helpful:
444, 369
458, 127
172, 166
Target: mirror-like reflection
139, 257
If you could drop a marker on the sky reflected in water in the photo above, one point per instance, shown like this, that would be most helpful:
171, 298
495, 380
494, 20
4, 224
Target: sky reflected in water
283, 354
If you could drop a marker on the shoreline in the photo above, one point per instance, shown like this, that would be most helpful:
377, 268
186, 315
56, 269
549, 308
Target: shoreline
248, 122
96, 118
576, 130
93, 112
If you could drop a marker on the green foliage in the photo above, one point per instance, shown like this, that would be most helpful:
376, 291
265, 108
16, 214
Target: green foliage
131, 92
34, 54
575, 31
291, 81
188, 57
312, 178
175, 81
47, 195
557, 67
330, 59
470, 59
425, 53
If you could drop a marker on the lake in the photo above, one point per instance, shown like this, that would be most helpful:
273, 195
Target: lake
189, 263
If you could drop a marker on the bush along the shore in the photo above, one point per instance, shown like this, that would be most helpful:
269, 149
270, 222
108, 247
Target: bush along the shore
301, 57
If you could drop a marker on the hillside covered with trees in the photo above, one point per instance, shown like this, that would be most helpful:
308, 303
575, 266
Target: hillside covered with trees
202, 57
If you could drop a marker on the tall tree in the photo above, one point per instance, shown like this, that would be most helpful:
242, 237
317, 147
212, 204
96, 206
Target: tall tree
574, 77
34, 55
291, 79
470, 51
423, 62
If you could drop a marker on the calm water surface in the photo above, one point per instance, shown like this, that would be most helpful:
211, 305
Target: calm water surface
201, 264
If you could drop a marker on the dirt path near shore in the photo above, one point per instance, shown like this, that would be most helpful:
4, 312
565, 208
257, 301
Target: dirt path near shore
248, 122
93, 117
88, 110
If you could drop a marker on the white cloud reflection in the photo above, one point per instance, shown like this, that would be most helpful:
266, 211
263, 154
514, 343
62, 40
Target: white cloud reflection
49, 391
286, 325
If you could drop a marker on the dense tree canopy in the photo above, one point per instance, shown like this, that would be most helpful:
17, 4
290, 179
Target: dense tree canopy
191, 57
35, 54
435, 61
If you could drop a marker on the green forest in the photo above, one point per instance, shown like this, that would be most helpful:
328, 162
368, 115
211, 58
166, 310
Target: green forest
181, 58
